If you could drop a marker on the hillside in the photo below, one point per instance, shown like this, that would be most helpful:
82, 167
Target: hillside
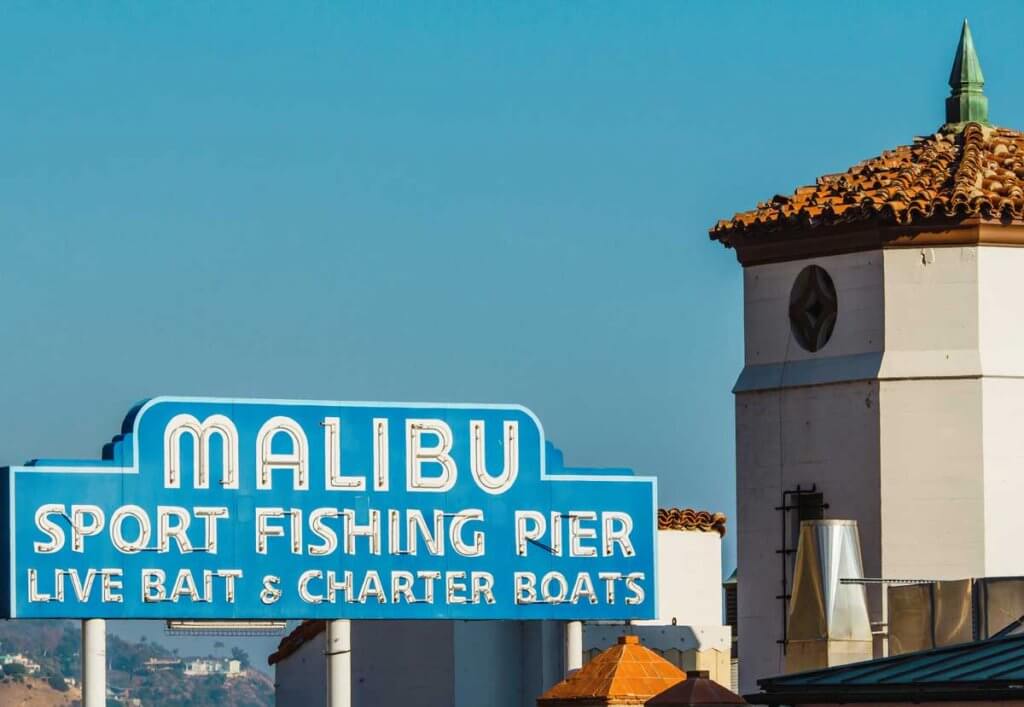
36, 693
54, 645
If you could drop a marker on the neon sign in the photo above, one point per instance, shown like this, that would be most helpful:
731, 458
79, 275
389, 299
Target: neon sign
252, 509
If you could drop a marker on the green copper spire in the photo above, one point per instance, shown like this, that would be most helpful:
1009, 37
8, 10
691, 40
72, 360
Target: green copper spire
966, 103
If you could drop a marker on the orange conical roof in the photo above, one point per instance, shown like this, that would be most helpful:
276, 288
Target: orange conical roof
626, 673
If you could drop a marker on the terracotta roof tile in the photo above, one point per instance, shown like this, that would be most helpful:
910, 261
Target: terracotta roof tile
690, 519
306, 631
977, 172
626, 672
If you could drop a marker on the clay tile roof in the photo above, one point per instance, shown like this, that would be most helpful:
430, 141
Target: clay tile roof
696, 690
626, 673
306, 631
690, 519
976, 172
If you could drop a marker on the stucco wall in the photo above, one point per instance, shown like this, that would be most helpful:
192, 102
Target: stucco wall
1003, 414
909, 421
689, 578
860, 326
300, 679
803, 418
824, 435
932, 496
431, 663
1001, 332
407, 663
887, 420
489, 666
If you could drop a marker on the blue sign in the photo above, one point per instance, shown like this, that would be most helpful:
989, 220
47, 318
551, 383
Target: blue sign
254, 509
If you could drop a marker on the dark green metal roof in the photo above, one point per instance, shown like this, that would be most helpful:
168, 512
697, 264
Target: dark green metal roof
978, 670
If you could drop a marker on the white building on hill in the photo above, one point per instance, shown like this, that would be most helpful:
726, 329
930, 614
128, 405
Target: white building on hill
19, 659
201, 667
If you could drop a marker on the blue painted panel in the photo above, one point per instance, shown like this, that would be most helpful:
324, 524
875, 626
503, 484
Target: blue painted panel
145, 532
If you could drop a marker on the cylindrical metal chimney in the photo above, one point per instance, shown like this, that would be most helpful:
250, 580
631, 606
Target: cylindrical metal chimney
828, 621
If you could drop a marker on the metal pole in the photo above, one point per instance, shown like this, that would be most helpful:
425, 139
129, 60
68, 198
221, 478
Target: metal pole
339, 663
573, 646
94, 663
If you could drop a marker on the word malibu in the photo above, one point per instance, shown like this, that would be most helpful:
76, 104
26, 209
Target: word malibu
337, 530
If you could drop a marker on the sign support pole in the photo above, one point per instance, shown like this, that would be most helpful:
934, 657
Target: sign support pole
339, 663
94, 663
573, 646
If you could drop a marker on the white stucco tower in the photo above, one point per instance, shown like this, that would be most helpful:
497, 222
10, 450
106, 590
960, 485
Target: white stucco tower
884, 363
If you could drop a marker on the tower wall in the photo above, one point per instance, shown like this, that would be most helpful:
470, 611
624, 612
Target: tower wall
803, 418
1001, 331
910, 421
825, 435
931, 415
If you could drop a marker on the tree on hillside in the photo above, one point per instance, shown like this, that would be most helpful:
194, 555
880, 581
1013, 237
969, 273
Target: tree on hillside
136, 662
16, 671
240, 655
67, 652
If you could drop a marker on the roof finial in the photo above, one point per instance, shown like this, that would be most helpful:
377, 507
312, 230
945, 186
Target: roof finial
966, 103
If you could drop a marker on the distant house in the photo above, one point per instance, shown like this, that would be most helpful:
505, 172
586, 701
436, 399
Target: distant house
18, 659
121, 697
202, 667
162, 663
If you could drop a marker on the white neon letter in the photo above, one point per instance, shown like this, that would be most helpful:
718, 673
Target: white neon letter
323, 532
526, 587
351, 530
478, 463
416, 527
153, 581
476, 548
304, 579
201, 433
617, 528
210, 515
179, 531
416, 455
297, 460
263, 531
54, 532
401, 587
577, 533
117, 530
333, 480
524, 534
633, 580
80, 529
381, 464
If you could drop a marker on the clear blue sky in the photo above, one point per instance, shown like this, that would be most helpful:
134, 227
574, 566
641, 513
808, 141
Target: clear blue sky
501, 202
